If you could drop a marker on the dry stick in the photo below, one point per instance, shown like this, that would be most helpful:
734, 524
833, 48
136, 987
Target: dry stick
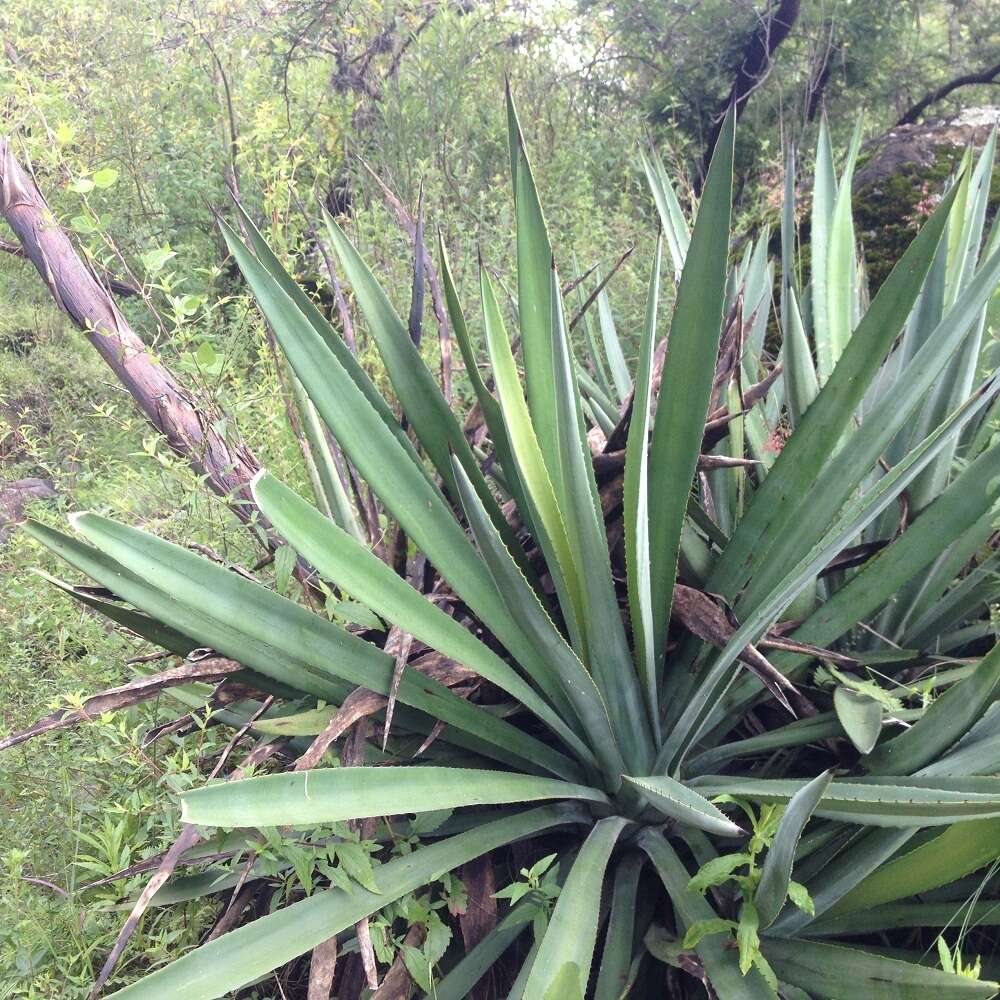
189, 837
232, 913
398, 645
353, 755
600, 287
398, 984
480, 916
409, 226
322, 967
187, 423
210, 669
361, 703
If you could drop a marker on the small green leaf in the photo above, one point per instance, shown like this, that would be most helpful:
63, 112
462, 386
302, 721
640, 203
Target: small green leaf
860, 715
799, 895
357, 614
284, 563
746, 936
105, 178
717, 870
703, 928
155, 261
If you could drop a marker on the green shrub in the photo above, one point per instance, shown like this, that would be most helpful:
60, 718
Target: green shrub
582, 672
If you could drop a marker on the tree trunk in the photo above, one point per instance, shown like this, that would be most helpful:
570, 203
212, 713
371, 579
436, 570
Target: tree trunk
988, 75
187, 423
772, 29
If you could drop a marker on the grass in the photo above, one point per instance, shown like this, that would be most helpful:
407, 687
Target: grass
80, 804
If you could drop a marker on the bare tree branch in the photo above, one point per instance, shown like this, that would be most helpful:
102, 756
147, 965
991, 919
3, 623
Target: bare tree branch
771, 30
966, 80
189, 424
123, 288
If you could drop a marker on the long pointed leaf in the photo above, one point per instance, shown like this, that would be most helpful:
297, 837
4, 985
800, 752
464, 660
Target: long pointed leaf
686, 386
329, 795
566, 951
251, 951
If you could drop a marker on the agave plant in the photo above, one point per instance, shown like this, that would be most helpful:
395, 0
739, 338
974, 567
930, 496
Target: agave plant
712, 631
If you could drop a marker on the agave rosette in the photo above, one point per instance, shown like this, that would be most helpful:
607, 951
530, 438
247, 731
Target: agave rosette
642, 569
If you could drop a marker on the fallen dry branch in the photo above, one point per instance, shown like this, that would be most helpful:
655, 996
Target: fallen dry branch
706, 619
361, 703
213, 668
186, 422
123, 288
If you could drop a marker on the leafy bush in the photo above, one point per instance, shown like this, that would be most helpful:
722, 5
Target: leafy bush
580, 604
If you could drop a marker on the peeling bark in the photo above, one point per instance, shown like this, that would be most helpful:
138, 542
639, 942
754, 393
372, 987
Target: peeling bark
187, 423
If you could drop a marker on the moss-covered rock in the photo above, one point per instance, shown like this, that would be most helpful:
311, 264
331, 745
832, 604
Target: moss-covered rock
900, 178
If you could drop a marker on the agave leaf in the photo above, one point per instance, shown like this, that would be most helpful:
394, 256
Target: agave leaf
957, 851
845, 470
276, 624
636, 507
720, 961
522, 602
340, 558
144, 626
845, 867
329, 795
788, 240
964, 242
326, 334
860, 715
330, 492
946, 721
967, 598
800, 373
309, 723
492, 413
613, 346
942, 573
462, 977
672, 220
616, 958
806, 452
608, 655
596, 358
416, 388
896, 915
535, 305
853, 518
963, 508
917, 802
251, 951
280, 664
403, 485
566, 951
686, 385
975, 754
777, 871
832, 972
841, 263
531, 467
679, 802
824, 198
967, 501
798, 733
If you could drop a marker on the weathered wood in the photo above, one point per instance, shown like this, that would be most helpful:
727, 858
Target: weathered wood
187, 423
